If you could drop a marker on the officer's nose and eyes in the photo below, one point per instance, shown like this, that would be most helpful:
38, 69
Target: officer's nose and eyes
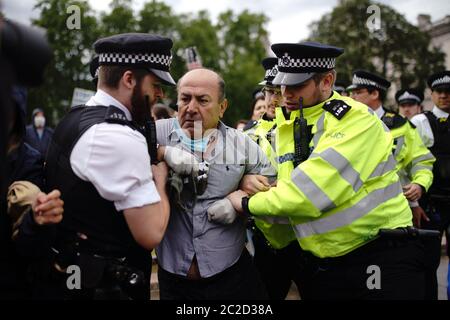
409, 109
357, 93
158, 90
362, 95
272, 98
291, 94
443, 94
153, 87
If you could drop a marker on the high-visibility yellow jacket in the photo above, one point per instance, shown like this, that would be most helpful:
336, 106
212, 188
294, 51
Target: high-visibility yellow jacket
261, 133
348, 189
264, 133
414, 160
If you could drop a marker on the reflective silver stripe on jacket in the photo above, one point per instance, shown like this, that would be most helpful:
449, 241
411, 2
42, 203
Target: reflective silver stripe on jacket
399, 146
275, 220
384, 167
320, 129
349, 215
418, 168
343, 166
427, 156
311, 190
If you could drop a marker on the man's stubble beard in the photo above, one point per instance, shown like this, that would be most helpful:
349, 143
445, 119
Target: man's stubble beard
139, 105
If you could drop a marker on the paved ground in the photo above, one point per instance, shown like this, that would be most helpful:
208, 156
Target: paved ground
293, 293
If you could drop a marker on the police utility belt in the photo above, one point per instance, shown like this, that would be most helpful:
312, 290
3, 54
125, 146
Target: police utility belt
407, 233
97, 271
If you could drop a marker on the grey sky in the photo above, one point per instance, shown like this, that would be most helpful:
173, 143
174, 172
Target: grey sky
289, 19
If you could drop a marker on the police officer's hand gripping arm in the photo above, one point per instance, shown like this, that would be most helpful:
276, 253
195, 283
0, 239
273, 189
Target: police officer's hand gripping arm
148, 223
179, 160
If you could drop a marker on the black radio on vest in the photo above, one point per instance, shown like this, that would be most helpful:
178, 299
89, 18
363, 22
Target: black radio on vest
150, 132
301, 137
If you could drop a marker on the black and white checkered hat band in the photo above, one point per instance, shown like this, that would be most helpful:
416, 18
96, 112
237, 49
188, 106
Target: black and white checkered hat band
271, 72
322, 63
443, 80
408, 96
137, 58
358, 81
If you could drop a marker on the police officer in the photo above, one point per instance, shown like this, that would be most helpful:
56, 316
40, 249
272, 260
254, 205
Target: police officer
260, 131
409, 102
116, 204
414, 160
275, 244
341, 192
260, 127
434, 128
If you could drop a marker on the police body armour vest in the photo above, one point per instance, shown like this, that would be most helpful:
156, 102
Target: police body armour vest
85, 211
441, 150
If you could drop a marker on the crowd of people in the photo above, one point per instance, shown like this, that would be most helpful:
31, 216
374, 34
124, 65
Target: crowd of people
323, 184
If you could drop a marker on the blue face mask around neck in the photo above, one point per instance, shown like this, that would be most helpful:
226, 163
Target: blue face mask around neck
198, 145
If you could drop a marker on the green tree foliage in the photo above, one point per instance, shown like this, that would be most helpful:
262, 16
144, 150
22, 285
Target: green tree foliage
119, 20
234, 47
72, 51
243, 47
399, 50
158, 18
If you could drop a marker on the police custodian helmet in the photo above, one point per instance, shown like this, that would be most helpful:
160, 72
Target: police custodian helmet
298, 62
148, 51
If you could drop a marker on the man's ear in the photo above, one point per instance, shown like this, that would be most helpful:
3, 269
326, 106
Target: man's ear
327, 81
128, 79
375, 95
223, 107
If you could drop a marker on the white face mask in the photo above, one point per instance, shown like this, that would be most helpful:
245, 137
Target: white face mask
39, 121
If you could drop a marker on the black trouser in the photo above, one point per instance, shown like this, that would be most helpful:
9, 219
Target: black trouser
380, 270
239, 282
439, 214
276, 266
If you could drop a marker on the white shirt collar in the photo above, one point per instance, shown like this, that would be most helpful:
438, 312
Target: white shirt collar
379, 112
439, 113
101, 98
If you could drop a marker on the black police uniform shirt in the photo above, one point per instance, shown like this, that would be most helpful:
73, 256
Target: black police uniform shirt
114, 158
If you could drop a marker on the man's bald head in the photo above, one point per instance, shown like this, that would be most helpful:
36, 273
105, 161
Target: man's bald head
205, 77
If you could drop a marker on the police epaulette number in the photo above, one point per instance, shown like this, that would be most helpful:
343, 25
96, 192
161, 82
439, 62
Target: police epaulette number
337, 108
115, 115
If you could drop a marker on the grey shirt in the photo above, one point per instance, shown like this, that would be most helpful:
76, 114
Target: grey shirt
216, 246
